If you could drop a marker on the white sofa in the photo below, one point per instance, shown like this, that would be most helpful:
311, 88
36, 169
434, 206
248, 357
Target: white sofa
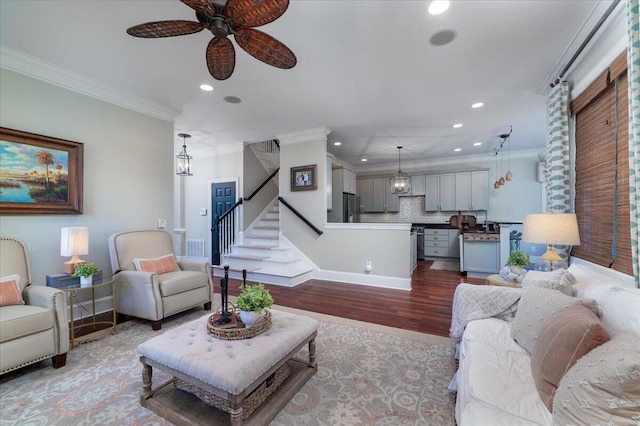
495, 381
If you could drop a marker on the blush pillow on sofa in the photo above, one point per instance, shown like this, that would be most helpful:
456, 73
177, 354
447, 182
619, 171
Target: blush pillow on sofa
603, 387
563, 341
10, 293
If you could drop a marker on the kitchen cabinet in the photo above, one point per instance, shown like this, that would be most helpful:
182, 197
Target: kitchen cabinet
344, 181
376, 197
439, 192
472, 190
413, 249
480, 190
417, 186
481, 256
460, 191
441, 243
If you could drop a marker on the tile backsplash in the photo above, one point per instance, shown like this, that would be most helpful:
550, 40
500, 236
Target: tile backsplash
412, 211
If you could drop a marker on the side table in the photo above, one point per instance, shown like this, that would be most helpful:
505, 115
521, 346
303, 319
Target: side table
496, 279
73, 288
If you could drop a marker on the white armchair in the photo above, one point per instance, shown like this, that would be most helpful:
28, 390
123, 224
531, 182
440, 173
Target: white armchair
37, 329
150, 295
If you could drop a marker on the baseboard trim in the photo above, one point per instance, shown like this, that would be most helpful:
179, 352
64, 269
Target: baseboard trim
371, 280
83, 309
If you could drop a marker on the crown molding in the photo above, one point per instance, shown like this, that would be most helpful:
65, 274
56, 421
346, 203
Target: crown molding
22, 63
304, 136
598, 11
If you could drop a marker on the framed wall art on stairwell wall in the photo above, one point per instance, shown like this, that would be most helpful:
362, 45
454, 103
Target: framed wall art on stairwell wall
304, 178
39, 174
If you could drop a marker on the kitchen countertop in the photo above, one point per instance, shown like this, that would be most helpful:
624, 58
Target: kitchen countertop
435, 225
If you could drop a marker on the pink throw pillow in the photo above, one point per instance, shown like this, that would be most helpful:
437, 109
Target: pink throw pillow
10, 293
159, 265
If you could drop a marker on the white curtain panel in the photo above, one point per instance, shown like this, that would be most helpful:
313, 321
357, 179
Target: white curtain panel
633, 74
558, 162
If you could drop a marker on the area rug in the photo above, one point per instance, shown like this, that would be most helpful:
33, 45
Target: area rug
445, 265
367, 375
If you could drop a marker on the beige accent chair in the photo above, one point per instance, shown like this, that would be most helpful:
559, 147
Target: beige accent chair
152, 296
37, 330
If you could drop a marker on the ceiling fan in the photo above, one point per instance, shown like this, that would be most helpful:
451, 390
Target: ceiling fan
233, 17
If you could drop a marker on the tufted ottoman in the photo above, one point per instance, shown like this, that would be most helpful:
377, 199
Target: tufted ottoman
227, 369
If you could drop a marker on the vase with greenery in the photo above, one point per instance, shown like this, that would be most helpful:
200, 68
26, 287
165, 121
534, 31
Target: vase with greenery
514, 269
252, 301
85, 271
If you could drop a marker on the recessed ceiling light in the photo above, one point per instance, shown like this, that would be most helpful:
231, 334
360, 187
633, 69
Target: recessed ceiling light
457, 149
477, 105
457, 125
436, 7
477, 143
232, 99
206, 87
443, 37
337, 143
364, 160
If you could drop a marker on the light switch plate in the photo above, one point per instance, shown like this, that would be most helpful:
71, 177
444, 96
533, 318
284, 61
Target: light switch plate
203, 212
162, 223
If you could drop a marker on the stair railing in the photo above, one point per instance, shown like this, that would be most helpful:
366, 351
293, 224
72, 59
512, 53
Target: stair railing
225, 224
300, 216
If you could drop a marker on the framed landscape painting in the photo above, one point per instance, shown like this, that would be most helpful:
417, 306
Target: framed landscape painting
304, 178
39, 174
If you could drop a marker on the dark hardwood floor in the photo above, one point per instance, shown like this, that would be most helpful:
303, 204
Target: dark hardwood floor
425, 308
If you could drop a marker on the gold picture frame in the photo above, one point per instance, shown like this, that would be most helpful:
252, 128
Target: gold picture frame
304, 178
39, 174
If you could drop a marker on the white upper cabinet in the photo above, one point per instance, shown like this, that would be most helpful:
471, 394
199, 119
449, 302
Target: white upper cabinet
376, 197
348, 181
462, 191
417, 186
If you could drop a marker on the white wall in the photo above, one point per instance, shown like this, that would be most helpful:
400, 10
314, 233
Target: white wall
128, 168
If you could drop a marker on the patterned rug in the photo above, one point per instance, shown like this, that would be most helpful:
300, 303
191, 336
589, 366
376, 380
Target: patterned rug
445, 265
367, 375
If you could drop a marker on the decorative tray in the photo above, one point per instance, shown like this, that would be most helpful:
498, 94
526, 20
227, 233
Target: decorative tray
239, 331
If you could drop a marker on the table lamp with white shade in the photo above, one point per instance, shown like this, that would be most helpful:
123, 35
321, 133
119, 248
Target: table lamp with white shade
74, 242
551, 229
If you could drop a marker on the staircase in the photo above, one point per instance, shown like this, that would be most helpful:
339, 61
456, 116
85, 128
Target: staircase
266, 255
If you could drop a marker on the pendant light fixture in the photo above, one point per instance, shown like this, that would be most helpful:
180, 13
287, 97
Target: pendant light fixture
183, 163
509, 175
400, 182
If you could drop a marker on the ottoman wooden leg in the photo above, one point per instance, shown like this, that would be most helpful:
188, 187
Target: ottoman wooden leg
235, 410
147, 373
312, 352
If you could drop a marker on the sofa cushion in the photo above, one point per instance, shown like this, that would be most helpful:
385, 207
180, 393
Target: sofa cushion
10, 293
159, 265
603, 387
495, 373
621, 310
177, 282
536, 308
564, 339
22, 320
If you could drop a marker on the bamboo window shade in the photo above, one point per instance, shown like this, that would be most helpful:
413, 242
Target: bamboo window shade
596, 160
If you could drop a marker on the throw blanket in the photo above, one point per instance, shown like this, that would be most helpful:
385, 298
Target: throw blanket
473, 302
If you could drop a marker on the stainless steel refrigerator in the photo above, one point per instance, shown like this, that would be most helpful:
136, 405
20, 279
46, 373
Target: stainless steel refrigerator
350, 212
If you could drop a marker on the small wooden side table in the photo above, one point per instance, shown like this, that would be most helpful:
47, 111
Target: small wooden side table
496, 279
72, 288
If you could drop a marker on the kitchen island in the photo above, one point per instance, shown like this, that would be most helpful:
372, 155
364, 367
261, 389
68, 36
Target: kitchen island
483, 253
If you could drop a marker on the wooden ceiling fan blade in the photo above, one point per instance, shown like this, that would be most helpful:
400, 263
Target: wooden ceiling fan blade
221, 58
201, 6
254, 13
165, 29
265, 48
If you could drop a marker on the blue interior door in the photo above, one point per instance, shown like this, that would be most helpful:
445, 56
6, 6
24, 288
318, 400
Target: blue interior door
223, 197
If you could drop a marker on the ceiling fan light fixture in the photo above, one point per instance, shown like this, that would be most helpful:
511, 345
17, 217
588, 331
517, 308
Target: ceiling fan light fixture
183, 160
400, 182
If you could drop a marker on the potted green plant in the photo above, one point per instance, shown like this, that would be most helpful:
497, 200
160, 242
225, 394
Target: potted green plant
252, 301
517, 261
85, 271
